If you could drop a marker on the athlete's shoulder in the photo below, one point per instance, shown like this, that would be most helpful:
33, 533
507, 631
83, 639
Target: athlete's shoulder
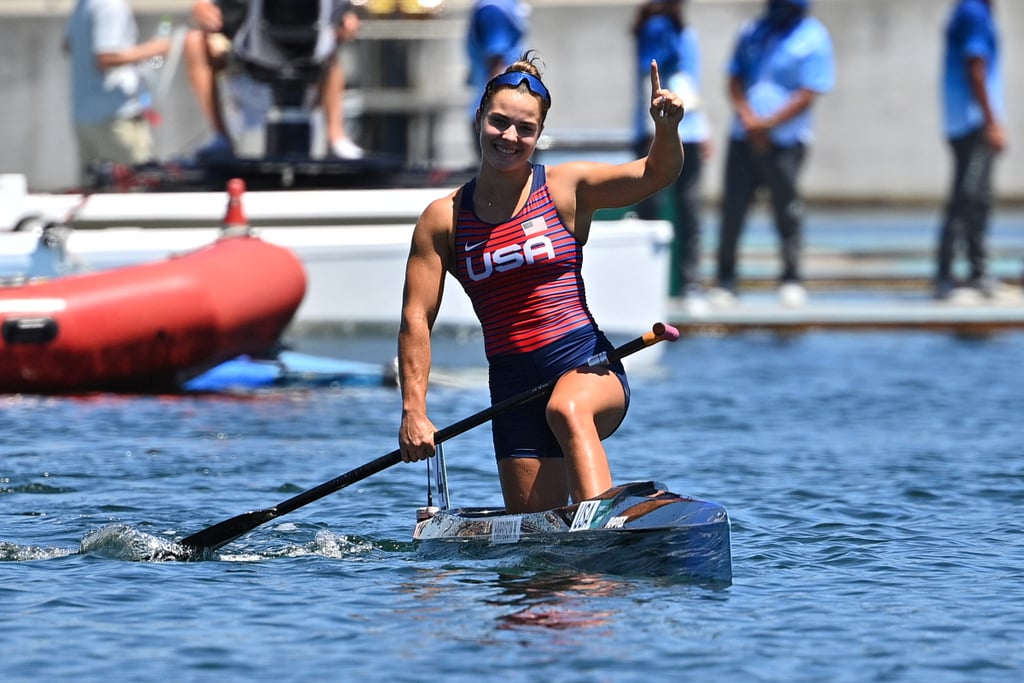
439, 213
566, 172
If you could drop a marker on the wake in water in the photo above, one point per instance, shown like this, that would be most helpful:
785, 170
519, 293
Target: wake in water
11, 552
336, 546
122, 542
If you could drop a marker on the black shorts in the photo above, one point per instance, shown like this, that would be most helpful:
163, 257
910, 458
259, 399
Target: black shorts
523, 432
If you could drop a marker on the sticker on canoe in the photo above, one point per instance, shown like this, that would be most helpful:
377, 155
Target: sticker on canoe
584, 515
506, 529
616, 522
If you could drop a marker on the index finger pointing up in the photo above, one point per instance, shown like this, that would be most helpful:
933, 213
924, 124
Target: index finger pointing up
655, 78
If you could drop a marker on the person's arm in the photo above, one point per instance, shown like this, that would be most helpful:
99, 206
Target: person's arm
134, 54
428, 262
741, 105
797, 104
207, 16
109, 26
759, 127
581, 188
995, 133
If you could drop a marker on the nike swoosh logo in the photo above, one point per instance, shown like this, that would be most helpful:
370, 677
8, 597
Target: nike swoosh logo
470, 246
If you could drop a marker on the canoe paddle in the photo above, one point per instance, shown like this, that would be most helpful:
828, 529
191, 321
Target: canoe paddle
222, 533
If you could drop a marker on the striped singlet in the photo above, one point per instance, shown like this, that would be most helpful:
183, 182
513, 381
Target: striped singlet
522, 276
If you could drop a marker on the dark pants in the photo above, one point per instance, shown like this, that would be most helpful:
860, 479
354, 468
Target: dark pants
682, 201
746, 171
968, 207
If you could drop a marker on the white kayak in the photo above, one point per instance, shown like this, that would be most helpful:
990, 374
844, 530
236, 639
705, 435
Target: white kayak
639, 528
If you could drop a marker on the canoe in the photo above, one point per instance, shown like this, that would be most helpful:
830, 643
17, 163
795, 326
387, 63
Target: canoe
640, 528
148, 327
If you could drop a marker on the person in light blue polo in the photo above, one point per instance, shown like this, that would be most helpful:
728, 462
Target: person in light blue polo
495, 38
109, 98
974, 115
782, 62
662, 34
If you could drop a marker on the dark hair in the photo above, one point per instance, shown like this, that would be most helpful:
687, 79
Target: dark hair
673, 9
527, 63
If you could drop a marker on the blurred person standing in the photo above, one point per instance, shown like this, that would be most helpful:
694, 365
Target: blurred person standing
495, 38
662, 34
109, 98
782, 62
974, 115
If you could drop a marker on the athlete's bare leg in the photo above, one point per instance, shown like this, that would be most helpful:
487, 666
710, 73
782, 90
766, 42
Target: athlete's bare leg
586, 406
533, 484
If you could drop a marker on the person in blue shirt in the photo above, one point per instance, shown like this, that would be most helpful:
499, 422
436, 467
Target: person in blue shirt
495, 37
974, 115
661, 34
782, 62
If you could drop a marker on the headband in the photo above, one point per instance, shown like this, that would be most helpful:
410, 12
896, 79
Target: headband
517, 78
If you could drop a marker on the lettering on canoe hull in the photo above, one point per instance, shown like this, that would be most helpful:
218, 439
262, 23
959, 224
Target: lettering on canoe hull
506, 529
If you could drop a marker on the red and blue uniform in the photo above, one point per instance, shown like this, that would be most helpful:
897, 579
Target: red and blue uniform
523, 277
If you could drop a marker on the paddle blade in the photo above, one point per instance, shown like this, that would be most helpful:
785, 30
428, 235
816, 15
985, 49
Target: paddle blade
222, 533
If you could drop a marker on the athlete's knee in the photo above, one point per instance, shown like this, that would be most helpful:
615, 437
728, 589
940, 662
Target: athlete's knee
564, 413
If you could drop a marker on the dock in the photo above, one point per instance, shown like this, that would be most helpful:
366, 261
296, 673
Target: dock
862, 271
964, 313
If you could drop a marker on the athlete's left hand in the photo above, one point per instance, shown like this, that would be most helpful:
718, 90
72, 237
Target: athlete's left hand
666, 106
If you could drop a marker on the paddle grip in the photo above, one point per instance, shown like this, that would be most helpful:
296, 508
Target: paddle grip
661, 332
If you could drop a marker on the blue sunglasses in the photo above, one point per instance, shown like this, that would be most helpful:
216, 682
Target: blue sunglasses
517, 78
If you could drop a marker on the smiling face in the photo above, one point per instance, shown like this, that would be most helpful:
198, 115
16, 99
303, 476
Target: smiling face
510, 125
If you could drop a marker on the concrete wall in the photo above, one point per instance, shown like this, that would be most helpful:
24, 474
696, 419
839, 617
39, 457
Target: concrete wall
879, 136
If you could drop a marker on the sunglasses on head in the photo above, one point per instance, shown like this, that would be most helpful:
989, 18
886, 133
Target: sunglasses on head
517, 78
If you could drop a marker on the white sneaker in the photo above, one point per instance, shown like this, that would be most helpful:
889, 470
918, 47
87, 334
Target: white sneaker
792, 294
720, 297
695, 304
994, 289
343, 148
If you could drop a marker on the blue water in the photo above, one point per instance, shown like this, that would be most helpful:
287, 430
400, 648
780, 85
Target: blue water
875, 482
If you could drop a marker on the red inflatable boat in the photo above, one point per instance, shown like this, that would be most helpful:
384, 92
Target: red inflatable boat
147, 328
